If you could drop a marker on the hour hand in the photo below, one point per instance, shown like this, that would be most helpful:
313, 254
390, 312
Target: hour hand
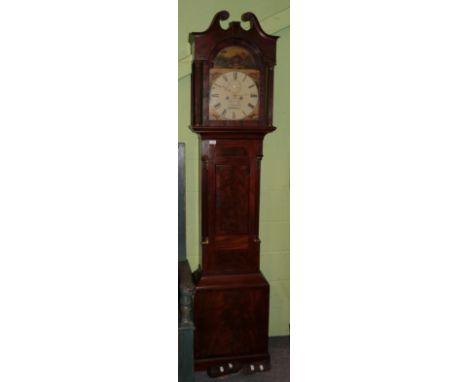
223, 87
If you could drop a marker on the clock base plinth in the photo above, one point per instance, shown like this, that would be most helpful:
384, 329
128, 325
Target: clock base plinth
231, 320
244, 360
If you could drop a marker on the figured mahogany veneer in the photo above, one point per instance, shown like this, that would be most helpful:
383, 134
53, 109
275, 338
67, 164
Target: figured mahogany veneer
232, 296
232, 320
230, 197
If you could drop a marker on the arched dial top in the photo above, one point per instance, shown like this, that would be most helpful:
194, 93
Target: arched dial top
234, 56
234, 95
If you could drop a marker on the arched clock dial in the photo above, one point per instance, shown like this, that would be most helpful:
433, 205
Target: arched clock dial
233, 96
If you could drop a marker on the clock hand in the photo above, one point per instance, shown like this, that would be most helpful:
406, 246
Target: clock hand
226, 88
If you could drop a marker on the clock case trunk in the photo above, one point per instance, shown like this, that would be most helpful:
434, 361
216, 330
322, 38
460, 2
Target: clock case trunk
231, 309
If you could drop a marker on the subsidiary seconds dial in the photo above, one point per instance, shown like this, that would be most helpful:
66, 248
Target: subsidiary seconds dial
233, 96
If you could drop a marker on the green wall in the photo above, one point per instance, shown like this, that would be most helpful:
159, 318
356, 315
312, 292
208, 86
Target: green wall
274, 210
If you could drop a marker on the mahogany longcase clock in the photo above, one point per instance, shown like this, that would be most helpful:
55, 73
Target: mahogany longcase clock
232, 100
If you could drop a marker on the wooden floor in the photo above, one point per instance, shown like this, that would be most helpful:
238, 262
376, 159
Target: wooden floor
279, 353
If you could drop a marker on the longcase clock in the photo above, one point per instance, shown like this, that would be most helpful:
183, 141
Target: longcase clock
232, 101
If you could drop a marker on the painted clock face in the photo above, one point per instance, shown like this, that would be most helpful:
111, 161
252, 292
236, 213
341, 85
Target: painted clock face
234, 95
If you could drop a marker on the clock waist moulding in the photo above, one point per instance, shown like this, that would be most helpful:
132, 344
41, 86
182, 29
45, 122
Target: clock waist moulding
231, 111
